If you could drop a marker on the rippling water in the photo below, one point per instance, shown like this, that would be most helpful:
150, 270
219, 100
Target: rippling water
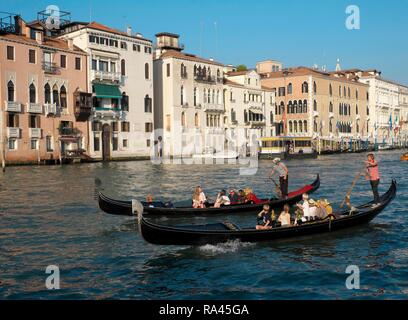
49, 216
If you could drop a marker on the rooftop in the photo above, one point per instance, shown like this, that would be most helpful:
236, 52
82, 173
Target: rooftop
186, 56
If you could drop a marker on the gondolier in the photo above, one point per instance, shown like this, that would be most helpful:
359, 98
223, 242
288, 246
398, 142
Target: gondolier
373, 175
283, 171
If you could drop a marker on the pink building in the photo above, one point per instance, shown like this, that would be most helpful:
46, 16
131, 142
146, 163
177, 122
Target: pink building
43, 94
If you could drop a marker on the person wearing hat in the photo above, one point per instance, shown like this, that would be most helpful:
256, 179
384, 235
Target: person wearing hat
283, 172
313, 209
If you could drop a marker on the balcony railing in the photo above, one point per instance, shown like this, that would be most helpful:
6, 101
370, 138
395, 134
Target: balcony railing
214, 107
12, 106
34, 108
50, 108
13, 132
35, 133
202, 78
106, 75
50, 67
67, 131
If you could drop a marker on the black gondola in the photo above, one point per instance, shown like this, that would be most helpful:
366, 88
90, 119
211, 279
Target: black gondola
223, 232
118, 207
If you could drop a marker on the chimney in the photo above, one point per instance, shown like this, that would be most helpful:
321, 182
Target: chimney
129, 31
70, 44
39, 37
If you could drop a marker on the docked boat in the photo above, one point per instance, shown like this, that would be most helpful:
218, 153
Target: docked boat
404, 157
287, 148
120, 207
223, 232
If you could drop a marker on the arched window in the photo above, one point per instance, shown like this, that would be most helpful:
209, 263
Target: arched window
55, 95
305, 126
32, 94
340, 91
47, 93
294, 110
295, 127
368, 111
282, 108
245, 116
195, 70
340, 109
331, 125
300, 107
272, 117
349, 110
314, 87
331, 107
205, 95
213, 96
182, 95
290, 107
10, 91
123, 67
196, 120
315, 126
218, 97
315, 105
356, 108
63, 97
148, 104
348, 92
330, 89
209, 96
290, 126
195, 97
147, 73
356, 93
300, 126
305, 87
183, 119
304, 106
344, 92
290, 88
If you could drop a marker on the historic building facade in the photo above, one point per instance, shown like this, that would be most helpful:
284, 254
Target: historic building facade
249, 107
120, 69
188, 93
43, 94
324, 106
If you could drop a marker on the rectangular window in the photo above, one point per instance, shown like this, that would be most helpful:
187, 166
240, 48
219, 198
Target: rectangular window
63, 61
125, 126
96, 126
123, 45
115, 126
12, 144
125, 143
148, 127
34, 121
97, 144
31, 56
115, 143
148, 50
168, 69
77, 63
136, 47
12, 120
48, 142
34, 144
148, 143
94, 64
10, 53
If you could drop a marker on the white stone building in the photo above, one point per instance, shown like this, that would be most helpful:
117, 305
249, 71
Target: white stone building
188, 93
403, 102
120, 77
249, 107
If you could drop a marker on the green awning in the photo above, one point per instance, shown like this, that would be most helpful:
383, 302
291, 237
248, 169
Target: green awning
107, 91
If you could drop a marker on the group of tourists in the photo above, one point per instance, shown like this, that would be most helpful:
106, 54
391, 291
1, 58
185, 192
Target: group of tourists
245, 196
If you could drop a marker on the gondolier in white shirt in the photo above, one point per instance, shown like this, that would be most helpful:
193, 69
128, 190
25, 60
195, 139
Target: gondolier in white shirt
283, 172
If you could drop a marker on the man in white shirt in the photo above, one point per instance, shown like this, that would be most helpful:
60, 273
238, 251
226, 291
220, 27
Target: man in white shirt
283, 172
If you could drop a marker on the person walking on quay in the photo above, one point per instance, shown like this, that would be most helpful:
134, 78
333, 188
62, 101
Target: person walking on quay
283, 171
373, 175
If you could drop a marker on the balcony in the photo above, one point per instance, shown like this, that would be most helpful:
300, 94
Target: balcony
109, 113
68, 131
257, 123
35, 133
106, 75
13, 132
50, 67
206, 79
50, 108
214, 108
12, 106
83, 105
34, 108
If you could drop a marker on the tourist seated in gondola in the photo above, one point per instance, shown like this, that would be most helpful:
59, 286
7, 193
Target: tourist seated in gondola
149, 201
241, 197
233, 196
313, 210
284, 217
222, 200
250, 197
304, 207
199, 198
263, 221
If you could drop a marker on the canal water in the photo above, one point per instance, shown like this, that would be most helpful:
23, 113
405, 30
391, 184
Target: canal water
48, 216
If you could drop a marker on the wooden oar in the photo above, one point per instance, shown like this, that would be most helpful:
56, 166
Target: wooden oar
352, 186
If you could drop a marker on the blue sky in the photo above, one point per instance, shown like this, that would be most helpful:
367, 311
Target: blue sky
297, 32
